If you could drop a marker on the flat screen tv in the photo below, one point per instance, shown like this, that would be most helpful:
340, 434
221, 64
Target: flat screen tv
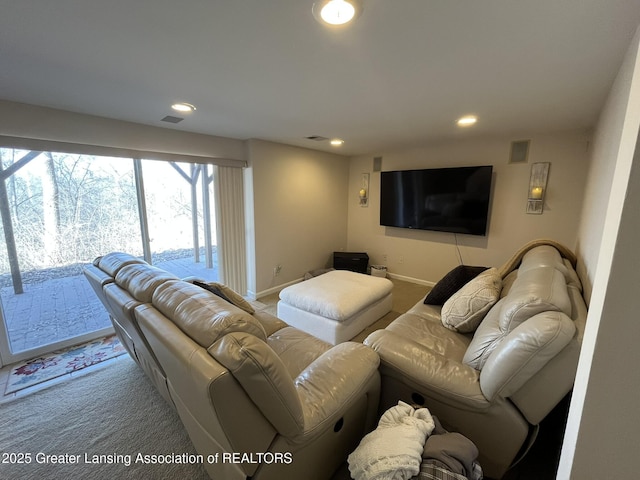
443, 199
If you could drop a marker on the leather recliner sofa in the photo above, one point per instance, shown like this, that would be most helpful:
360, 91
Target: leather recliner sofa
265, 400
496, 384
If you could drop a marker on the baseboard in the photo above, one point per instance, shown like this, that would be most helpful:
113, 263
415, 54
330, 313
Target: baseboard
404, 278
272, 290
254, 296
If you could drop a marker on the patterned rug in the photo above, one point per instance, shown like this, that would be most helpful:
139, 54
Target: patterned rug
61, 362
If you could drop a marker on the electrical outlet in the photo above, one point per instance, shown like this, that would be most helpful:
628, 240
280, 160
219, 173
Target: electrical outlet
384, 258
400, 259
276, 270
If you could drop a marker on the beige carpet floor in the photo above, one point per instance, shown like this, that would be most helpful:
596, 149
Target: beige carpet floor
110, 415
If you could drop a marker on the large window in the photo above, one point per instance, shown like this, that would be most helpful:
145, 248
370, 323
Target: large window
60, 211
179, 199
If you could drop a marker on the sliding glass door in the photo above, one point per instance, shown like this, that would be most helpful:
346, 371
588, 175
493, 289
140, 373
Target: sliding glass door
60, 211
179, 205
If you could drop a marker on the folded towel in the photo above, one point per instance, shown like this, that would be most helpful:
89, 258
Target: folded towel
436, 471
451, 452
393, 451
454, 450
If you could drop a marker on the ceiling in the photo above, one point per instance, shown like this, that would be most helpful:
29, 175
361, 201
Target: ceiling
399, 76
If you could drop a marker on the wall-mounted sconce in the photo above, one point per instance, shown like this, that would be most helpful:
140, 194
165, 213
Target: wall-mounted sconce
363, 194
537, 187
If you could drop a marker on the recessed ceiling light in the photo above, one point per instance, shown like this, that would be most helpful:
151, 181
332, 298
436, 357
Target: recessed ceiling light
336, 142
336, 12
183, 107
467, 120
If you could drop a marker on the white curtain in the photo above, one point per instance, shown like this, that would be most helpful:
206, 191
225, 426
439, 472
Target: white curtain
230, 229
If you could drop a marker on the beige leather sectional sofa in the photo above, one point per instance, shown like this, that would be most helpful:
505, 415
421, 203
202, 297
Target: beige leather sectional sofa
493, 384
259, 399
244, 382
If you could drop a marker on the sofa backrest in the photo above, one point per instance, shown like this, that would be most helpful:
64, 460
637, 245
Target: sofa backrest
237, 341
200, 314
524, 351
543, 256
114, 261
103, 270
535, 291
141, 280
264, 377
529, 327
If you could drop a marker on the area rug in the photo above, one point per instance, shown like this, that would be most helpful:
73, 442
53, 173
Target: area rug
62, 362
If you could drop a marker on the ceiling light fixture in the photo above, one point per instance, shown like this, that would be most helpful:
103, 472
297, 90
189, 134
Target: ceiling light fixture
467, 121
336, 142
336, 12
183, 107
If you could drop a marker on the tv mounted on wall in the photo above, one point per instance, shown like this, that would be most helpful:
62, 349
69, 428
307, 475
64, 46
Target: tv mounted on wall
443, 199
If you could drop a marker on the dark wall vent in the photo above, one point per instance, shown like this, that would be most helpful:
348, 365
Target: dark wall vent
172, 119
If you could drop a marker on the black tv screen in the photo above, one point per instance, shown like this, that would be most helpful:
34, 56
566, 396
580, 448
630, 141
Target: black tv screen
443, 199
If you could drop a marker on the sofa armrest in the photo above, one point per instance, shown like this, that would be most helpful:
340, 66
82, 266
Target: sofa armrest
336, 379
448, 380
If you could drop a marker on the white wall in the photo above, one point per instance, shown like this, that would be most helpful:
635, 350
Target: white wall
427, 256
299, 214
607, 142
28, 121
601, 438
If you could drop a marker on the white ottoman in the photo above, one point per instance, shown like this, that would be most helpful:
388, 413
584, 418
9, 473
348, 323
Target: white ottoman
337, 305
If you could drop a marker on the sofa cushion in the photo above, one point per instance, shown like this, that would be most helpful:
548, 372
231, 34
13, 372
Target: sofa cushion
141, 280
543, 256
113, 262
451, 283
203, 316
466, 308
264, 377
296, 349
535, 291
431, 335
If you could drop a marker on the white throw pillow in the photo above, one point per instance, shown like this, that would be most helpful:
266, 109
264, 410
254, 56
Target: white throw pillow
466, 308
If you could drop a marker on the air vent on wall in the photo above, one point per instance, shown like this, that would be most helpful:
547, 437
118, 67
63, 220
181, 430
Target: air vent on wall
172, 119
317, 138
519, 151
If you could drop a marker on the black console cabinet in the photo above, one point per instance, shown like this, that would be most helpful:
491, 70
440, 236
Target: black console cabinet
354, 261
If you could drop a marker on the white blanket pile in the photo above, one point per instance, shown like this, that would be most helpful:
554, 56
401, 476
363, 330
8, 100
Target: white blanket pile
337, 295
393, 451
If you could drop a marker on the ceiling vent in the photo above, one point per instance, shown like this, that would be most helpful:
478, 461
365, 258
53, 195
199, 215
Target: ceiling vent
317, 138
172, 119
